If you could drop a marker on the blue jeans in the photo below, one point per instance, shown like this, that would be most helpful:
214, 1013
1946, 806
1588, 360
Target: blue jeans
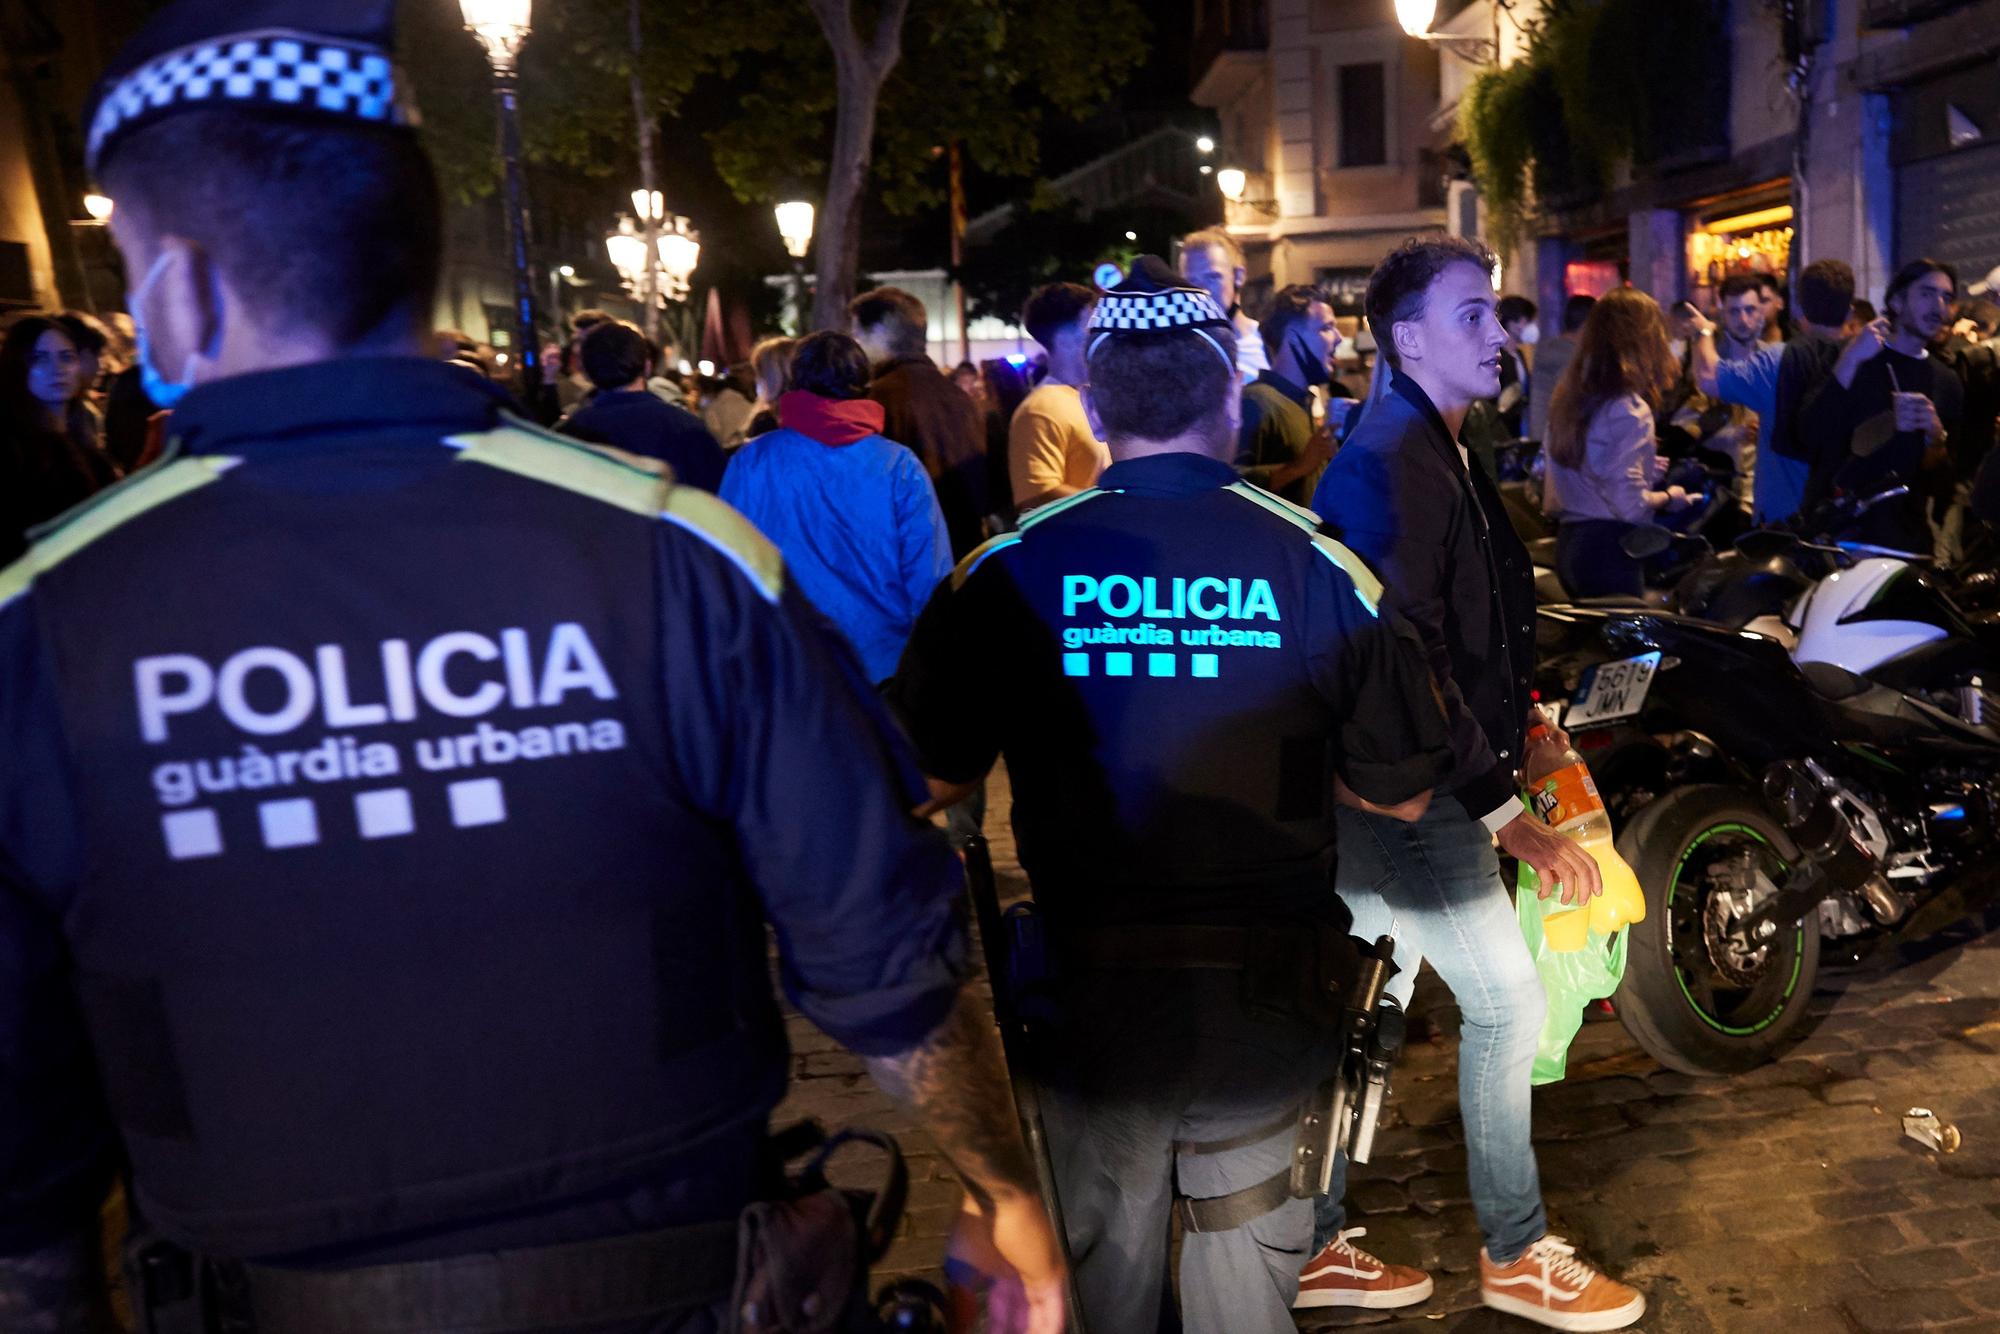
1434, 886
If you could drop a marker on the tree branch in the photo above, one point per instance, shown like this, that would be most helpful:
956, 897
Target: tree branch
887, 47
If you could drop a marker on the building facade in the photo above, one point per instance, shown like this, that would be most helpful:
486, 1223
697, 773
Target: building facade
1326, 107
1862, 130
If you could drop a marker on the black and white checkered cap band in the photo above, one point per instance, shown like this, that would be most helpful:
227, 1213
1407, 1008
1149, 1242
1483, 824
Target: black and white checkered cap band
275, 69
1176, 308
1172, 311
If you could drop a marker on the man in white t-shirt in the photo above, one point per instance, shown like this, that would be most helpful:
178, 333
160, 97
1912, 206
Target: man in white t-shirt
1051, 450
1212, 261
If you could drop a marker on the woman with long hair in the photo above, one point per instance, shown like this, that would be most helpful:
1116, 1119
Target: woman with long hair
1603, 467
49, 458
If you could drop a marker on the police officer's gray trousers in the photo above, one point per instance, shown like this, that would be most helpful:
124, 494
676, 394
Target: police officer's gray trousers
1147, 1061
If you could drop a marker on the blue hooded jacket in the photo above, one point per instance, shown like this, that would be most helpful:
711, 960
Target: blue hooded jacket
859, 527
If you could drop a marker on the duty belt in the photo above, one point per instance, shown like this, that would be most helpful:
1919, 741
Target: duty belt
544, 1287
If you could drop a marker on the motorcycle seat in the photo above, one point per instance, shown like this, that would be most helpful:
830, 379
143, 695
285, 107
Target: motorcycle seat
1653, 599
1832, 682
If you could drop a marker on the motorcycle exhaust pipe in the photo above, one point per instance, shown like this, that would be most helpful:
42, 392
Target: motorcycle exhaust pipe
1887, 906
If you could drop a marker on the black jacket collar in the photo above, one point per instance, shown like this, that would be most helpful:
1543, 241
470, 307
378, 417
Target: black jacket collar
1182, 473
333, 398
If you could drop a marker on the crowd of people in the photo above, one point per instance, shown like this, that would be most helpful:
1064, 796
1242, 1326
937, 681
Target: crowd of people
399, 792
1794, 413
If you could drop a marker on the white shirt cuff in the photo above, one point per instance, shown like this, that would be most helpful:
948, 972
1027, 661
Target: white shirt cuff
1501, 816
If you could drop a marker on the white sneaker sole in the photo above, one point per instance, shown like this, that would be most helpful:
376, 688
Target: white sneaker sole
1388, 1300
1578, 1322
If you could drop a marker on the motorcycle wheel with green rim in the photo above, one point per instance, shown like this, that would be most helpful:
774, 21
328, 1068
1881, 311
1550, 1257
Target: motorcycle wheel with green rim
1698, 996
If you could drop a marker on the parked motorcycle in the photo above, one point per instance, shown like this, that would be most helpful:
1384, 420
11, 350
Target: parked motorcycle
1802, 749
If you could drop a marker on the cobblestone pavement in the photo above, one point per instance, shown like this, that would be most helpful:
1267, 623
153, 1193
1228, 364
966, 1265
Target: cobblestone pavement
1783, 1199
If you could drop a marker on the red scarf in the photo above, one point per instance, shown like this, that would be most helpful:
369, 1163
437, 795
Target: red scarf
831, 421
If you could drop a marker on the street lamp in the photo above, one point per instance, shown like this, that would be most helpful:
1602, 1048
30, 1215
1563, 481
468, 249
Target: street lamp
679, 252
1416, 17
501, 27
1231, 181
795, 225
1204, 145
98, 207
675, 251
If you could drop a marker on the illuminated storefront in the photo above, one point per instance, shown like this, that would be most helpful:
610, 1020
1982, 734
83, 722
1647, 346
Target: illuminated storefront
1737, 237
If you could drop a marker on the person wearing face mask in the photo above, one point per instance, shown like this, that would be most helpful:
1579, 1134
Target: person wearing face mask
1278, 447
49, 458
1404, 495
1517, 317
1213, 261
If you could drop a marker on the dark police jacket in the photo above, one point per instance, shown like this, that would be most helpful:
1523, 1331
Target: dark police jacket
1435, 530
393, 797
1175, 665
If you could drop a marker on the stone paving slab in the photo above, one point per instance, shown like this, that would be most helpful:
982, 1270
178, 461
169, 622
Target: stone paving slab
1785, 1199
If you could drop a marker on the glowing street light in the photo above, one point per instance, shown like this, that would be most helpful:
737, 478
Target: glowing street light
501, 27
795, 224
1416, 16
98, 207
679, 253
1231, 181
649, 205
1204, 145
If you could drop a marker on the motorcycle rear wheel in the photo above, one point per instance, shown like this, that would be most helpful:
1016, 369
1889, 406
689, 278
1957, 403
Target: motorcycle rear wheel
1692, 996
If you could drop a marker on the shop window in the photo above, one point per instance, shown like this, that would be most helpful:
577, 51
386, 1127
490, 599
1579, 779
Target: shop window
1364, 116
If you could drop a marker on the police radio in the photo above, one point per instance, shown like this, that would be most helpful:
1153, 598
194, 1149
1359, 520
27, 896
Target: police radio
1343, 1113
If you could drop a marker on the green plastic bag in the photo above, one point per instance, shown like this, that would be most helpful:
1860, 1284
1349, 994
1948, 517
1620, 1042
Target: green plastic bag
1570, 978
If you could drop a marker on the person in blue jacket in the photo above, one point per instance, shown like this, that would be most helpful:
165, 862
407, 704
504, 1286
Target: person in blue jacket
854, 514
395, 797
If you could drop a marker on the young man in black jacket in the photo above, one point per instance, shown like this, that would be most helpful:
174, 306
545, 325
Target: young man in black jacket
1402, 496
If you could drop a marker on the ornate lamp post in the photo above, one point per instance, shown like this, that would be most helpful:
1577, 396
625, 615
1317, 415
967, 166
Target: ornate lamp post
795, 224
501, 27
675, 250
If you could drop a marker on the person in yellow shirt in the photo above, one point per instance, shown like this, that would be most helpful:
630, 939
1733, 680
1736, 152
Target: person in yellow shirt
1051, 450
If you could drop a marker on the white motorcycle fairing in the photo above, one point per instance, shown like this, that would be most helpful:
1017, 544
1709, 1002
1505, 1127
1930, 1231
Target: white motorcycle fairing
1827, 634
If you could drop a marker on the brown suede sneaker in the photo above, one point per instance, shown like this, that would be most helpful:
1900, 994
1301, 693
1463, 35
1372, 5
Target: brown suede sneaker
1345, 1275
1551, 1286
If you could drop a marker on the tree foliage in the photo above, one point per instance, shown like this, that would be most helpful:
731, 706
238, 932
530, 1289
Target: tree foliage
1603, 81
989, 73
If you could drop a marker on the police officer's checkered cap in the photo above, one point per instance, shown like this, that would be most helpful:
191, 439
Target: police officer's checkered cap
287, 56
1153, 302
1181, 308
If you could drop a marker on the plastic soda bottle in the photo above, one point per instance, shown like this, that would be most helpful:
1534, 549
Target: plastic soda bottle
1565, 797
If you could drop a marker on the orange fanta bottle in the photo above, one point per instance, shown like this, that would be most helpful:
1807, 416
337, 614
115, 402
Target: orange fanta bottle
1565, 797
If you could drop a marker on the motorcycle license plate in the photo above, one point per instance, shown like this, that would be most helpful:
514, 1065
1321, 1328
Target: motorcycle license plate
1612, 690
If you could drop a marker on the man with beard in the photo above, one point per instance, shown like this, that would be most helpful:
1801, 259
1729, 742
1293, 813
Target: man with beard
1885, 414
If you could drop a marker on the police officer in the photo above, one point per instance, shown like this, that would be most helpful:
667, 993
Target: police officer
394, 795
1181, 670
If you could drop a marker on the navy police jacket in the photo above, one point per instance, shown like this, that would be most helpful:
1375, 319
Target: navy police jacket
392, 801
1176, 665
